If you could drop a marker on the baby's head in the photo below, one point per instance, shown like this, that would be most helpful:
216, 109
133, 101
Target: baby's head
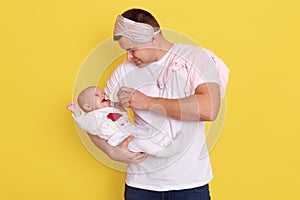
92, 98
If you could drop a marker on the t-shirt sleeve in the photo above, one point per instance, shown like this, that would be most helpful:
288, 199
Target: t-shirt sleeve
209, 68
223, 71
201, 68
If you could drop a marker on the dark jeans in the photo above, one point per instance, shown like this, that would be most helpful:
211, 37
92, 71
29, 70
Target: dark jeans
198, 193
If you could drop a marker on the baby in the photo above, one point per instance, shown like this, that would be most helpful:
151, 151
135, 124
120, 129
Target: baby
113, 125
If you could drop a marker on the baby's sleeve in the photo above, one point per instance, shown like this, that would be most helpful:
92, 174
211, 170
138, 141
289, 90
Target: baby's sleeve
87, 123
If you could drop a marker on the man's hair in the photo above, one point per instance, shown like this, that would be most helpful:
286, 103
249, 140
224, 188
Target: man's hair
142, 16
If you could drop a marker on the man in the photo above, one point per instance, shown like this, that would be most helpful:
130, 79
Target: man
172, 87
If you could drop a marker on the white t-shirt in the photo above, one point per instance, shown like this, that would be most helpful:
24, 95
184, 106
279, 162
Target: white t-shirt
175, 76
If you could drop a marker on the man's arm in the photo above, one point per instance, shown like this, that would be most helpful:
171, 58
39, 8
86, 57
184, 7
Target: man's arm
120, 153
203, 106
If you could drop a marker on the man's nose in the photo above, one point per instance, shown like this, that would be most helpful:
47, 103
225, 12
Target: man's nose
129, 55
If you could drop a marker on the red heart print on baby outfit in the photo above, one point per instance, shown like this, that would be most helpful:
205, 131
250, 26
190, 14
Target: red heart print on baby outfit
114, 116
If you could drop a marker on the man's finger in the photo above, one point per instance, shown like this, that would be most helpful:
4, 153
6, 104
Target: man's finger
139, 157
126, 89
125, 142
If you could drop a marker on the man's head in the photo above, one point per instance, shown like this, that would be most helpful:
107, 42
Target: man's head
138, 32
92, 98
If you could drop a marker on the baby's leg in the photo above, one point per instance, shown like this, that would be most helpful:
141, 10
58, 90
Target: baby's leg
148, 140
178, 145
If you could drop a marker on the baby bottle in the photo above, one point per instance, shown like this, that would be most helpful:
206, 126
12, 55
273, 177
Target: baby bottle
113, 97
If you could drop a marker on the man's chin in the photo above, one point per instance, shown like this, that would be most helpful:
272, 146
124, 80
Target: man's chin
140, 64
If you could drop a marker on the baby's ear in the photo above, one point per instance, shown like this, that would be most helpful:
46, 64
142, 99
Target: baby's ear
87, 107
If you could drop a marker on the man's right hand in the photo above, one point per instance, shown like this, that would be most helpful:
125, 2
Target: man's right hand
132, 98
121, 152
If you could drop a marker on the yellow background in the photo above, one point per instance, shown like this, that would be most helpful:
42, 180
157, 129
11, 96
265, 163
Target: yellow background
43, 44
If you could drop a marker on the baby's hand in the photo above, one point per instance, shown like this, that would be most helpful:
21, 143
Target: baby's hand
73, 107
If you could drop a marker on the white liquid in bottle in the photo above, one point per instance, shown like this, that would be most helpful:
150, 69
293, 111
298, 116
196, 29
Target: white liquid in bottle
113, 97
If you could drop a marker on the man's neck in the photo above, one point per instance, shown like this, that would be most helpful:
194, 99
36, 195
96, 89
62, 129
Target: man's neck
164, 49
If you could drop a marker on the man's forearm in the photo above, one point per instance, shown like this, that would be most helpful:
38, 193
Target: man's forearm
203, 106
193, 108
100, 143
119, 153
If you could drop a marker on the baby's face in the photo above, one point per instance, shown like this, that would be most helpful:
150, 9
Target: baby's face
97, 98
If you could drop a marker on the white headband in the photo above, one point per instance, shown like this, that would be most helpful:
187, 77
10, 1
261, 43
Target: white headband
135, 31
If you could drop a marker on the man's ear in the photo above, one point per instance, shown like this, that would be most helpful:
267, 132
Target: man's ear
87, 107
